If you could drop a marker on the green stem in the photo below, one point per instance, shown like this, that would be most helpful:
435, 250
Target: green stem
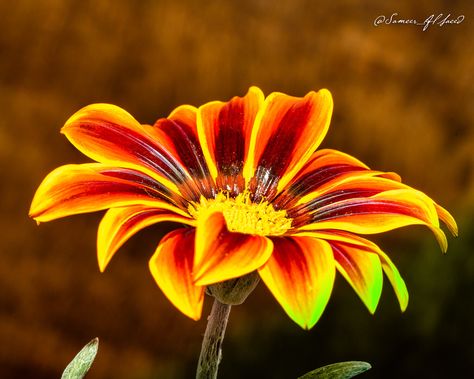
211, 352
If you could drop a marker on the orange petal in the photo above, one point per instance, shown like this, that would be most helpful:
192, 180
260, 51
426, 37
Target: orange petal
178, 135
222, 255
323, 166
367, 181
448, 220
287, 131
110, 135
224, 131
119, 224
340, 186
388, 267
362, 269
300, 274
171, 267
379, 213
73, 189
347, 186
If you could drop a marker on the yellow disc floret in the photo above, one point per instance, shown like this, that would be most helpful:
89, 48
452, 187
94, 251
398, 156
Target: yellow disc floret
244, 216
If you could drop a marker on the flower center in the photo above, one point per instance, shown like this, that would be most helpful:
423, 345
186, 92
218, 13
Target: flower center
244, 216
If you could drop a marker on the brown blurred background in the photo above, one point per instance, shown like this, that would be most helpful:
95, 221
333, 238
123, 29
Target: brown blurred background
403, 102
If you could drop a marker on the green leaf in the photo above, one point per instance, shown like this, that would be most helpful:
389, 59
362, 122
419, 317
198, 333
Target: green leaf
341, 370
82, 362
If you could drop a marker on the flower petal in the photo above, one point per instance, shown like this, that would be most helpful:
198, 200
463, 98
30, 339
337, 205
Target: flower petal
224, 131
73, 189
287, 131
171, 267
178, 135
222, 255
388, 267
362, 269
447, 219
300, 274
323, 166
110, 135
119, 224
379, 213
395, 279
347, 186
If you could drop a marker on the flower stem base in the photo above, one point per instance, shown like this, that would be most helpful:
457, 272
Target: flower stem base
234, 291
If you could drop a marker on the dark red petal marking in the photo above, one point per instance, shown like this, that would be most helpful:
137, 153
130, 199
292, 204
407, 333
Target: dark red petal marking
73, 189
126, 144
183, 142
276, 155
226, 131
310, 182
287, 131
330, 198
324, 166
230, 138
138, 177
230, 146
364, 206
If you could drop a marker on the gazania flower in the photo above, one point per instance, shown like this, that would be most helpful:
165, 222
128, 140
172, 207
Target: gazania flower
254, 194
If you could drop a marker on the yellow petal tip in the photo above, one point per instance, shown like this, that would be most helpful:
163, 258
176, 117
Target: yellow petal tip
404, 305
372, 310
102, 264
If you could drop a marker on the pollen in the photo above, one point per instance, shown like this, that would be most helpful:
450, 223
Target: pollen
244, 216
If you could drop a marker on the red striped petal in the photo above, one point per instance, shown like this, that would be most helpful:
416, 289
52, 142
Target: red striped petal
287, 131
178, 135
110, 135
73, 189
224, 131
171, 267
390, 270
324, 165
379, 213
350, 185
119, 224
300, 274
222, 255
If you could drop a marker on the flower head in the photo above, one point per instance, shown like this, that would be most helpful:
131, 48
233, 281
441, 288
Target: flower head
254, 194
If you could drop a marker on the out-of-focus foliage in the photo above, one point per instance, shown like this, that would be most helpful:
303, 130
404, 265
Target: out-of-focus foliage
82, 362
341, 370
403, 102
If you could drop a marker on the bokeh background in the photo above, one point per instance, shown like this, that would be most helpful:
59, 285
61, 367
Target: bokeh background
403, 102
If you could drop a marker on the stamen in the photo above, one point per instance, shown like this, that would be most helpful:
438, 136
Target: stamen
244, 216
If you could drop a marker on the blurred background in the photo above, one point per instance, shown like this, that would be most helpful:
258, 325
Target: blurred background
403, 102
